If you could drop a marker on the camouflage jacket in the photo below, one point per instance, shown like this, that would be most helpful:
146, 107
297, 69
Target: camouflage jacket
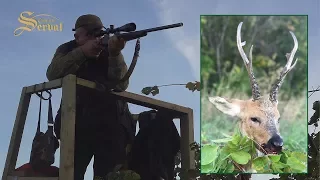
69, 59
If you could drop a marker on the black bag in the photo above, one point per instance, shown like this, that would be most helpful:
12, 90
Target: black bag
44, 145
155, 146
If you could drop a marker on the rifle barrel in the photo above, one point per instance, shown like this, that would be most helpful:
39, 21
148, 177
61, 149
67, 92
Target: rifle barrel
163, 27
128, 36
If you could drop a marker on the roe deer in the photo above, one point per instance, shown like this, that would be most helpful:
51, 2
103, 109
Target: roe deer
259, 116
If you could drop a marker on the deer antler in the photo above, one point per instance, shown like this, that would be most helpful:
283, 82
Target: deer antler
287, 68
248, 63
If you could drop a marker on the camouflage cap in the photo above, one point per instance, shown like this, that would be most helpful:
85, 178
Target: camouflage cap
89, 21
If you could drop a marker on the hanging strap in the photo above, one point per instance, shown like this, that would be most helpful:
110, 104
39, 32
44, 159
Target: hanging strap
39, 117
50, 117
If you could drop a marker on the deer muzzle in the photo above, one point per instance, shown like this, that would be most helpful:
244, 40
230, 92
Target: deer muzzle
274, 145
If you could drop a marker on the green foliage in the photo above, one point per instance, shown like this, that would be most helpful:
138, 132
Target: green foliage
276, 162
153, 90
192, 86
232, 154
119, 174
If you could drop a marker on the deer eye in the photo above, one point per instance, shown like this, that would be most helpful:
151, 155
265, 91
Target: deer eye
254, 119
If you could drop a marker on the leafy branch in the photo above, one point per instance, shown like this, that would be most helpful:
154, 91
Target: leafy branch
287, 159
119, 174
154, 90
240, 151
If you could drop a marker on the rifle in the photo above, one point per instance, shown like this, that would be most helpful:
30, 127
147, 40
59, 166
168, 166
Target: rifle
130, 33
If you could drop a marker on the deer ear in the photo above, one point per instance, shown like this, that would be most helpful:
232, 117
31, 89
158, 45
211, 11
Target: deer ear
231, 108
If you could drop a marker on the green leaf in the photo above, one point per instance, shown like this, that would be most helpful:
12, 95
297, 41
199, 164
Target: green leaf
300, 156
274, 158
224, 153
223, 164
279, 165
287, 170
153, 90
287, 153
198, 86
193, 86
146, 90
259, 163
232, 147
284, 157
221, 161
246, 148
209, 154
276, 169
236, 139
230, 168
296, 165
208, 168
243, 141
241, 157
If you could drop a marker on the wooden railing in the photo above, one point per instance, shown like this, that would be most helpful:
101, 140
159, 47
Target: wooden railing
68, 110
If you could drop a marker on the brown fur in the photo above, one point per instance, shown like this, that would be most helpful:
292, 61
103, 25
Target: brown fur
263, 109
267, 113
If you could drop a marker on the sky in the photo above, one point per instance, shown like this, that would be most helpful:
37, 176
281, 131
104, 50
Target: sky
170, 56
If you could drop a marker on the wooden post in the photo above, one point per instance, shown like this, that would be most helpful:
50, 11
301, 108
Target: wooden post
68, 115
17, 133
187, 137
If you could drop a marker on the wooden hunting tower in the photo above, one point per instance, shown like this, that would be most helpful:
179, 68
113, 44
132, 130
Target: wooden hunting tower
68, 85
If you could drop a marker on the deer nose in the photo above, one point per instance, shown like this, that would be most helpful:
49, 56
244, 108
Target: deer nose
276, 141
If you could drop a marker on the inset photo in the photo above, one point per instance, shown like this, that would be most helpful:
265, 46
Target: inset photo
254, 96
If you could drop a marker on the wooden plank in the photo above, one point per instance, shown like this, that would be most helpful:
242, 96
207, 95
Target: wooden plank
31, 178
55, 84
130, 97
19, 173
150, 102
68, 110
25, 174
17, 133
139, 99
187, 137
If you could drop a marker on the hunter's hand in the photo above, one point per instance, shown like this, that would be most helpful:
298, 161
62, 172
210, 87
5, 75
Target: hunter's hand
115, 45
91, 49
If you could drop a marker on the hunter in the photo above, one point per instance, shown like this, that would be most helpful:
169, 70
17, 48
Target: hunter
103, 128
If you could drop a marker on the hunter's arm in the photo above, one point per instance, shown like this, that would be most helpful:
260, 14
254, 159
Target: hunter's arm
116, 71
64, 63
